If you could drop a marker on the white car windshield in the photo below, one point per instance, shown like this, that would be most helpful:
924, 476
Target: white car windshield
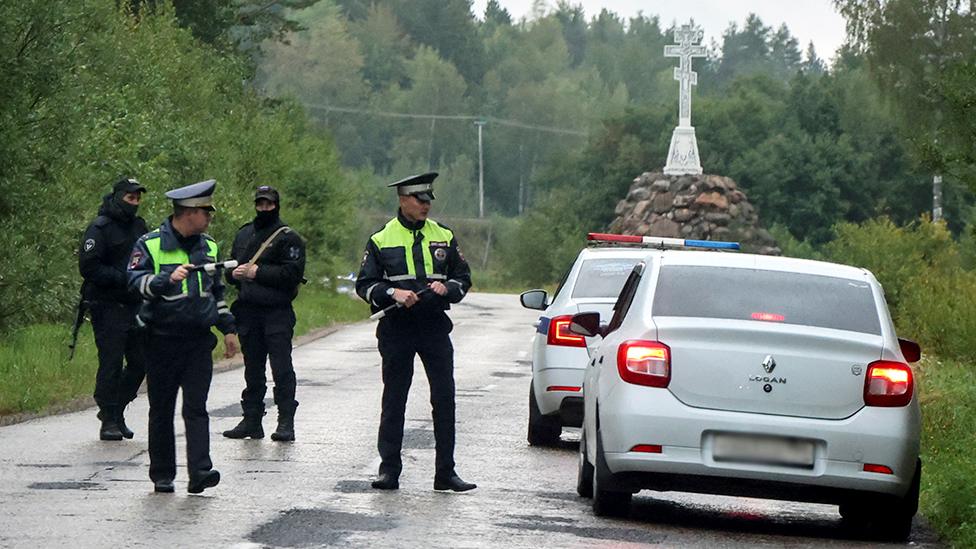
766, 296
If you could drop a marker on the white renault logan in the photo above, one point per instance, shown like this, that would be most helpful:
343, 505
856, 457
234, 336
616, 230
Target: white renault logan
755, 376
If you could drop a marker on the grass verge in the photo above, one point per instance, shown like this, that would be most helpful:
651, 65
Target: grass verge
35, 373
947, 392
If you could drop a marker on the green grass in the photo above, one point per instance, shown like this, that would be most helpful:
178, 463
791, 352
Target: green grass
35, 373
947, 392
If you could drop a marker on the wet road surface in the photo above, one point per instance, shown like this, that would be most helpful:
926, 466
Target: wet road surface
60, 486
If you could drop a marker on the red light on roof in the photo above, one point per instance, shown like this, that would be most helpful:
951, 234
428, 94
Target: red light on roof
875, 468
768, 317
607, 237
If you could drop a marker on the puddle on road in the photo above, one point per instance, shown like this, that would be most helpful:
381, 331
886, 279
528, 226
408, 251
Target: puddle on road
561, 526
66, 485
418, 439
234, 410
316, 527
352, 487
117, 464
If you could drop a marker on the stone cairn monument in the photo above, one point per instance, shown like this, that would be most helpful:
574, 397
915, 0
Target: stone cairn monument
681, 202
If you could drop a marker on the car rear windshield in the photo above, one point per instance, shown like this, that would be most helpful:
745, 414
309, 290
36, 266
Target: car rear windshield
766, 296
603, 277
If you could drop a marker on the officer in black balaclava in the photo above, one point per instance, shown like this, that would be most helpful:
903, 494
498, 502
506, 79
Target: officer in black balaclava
272, 265
102, 260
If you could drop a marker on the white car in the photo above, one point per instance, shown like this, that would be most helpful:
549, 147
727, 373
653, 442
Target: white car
559, 357
755, 376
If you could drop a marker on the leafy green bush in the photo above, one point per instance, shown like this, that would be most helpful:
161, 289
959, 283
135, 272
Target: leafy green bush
929, 293
88, 93
948, 393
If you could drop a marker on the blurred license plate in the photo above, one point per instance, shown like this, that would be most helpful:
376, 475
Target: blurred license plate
766, 450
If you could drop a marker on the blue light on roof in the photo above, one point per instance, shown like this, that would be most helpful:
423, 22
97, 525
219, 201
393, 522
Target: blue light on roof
713, 244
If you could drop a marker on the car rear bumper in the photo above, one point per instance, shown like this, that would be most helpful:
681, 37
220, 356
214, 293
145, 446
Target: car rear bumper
639, 415
550, 385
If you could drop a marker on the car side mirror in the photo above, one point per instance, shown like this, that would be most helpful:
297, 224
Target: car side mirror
910, 350
534, 299
586, 324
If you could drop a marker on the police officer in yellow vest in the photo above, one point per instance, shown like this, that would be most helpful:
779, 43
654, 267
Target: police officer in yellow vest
414, 262
180, 305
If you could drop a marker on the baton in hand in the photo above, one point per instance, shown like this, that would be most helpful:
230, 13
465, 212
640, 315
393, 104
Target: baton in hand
380, 314
211, 268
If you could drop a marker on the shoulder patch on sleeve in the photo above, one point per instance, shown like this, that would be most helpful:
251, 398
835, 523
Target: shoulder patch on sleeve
135, 259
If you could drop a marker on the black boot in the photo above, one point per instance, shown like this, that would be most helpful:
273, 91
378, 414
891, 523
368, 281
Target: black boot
123, 428
453, 483
286, 424
110, 426
249, 427
201, 480
386, 481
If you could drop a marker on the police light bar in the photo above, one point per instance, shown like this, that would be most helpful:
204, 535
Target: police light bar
662, 242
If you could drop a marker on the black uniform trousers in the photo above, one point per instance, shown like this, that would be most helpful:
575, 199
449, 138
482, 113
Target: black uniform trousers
265, 334
117, 337
179, 362
398, 343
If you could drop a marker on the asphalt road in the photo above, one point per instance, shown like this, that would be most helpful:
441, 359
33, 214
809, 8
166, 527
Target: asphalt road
61, 487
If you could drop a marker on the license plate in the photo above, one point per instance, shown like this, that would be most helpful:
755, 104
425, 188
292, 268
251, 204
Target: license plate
793, 452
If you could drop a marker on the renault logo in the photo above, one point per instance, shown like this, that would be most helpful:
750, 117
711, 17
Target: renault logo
769, 364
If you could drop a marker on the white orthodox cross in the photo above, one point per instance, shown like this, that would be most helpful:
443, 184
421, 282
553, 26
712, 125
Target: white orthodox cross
688, 38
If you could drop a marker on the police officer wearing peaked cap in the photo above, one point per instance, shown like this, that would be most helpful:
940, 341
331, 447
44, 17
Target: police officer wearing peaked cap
271, 259
180, 306
415, 262
102, 260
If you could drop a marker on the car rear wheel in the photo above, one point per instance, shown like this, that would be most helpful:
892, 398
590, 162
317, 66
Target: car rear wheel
584, 471
606, 502
886, 518
543, 430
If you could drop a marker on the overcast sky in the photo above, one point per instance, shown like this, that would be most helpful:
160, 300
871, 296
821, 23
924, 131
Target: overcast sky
815, 20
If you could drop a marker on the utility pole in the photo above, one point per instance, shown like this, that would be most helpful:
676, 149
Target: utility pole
936, 198
481, 169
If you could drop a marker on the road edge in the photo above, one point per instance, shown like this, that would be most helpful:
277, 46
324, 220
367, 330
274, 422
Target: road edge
220, 366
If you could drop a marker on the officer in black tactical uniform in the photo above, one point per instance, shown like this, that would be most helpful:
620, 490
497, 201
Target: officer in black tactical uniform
271, 259
414, 262
102, 260
182, 303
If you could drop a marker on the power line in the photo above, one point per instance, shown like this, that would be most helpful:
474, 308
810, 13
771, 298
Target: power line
490, 119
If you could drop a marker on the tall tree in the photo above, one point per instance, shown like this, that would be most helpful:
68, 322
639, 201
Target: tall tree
573, 21
240, 23
922, 54
447, 26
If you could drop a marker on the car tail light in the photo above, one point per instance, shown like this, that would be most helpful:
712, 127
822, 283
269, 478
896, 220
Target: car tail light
888, 384
644, 363
875, 468
559, 333
647, 448
566, 388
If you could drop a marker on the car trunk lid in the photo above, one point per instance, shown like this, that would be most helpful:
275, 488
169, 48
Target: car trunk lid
781, 369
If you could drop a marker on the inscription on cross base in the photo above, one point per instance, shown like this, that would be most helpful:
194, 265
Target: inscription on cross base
687, 38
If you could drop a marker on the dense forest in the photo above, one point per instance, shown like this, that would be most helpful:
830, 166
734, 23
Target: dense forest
331, 99
575, 106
